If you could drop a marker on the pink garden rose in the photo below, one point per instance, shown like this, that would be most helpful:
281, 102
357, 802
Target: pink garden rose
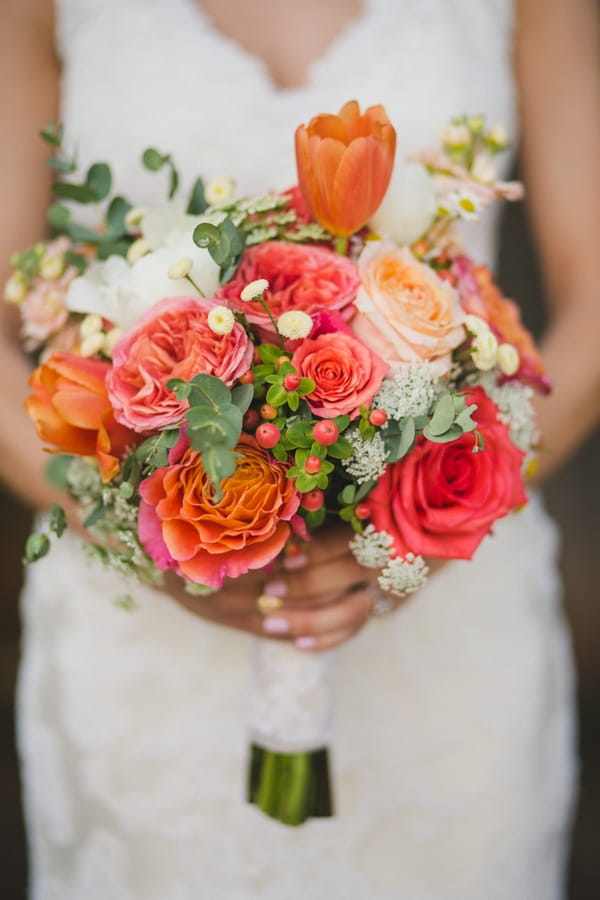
182, 528
406, 313
441, 500
347, 374
173, 340
300, 276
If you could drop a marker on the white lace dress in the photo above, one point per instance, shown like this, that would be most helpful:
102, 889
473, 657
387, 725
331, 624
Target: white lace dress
452, 759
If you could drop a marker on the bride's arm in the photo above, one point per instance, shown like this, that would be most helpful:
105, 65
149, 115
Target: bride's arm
558, 66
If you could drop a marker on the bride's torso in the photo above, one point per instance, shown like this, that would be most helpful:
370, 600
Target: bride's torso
164, 74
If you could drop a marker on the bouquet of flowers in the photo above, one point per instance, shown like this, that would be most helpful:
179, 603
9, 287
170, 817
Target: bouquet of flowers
218, 379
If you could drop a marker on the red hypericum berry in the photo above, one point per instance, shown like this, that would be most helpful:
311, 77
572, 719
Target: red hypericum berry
267, 435
312, 500
256, 356
281, 360
250, 419
378, 417
446, 275
247, 377
325, 433
362, 511
269, 412
291, 382
313, 465
420, 248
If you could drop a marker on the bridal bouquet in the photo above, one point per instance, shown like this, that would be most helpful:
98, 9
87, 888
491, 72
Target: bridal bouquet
219, 378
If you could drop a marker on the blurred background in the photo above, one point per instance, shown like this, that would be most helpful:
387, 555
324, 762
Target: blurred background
572, 498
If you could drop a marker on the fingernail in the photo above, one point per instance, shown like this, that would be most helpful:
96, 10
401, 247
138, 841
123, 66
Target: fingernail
291, 563
276, 588
305, 643
275, 625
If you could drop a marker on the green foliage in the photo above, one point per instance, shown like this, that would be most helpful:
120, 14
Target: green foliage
197, 202
154, 161
214, 423
224, 242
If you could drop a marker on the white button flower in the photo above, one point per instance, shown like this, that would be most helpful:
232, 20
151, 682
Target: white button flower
254, 289
294, 324
221, 320
508, 359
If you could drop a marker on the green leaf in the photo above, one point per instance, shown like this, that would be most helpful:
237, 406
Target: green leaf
242, 396
52, 134
293, 401
173, 182
443, 415
95, 515
153, 160
315, 517
208, 389
234, 235
346, 514
126, 490
348, 494
57, 521
61, 165
206, 234
99, 180
218, 463
36, 546
76, 261
305, 482
279, 452
79, 193
115, 215
300, 434
276, 395
221, 250
454, 432
464, 420
341, 449
197, 202
118, 248
269, 353
57, 470
407, 439
306, 386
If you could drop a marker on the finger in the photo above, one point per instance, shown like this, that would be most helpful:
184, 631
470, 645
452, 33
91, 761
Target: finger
349, 611
333, 576
321, 642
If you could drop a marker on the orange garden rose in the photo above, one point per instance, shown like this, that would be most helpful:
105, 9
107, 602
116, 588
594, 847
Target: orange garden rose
345, 164
71, 411
182, 528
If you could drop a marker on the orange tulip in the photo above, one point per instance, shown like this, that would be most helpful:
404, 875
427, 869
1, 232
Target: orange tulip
71, 411
344, 165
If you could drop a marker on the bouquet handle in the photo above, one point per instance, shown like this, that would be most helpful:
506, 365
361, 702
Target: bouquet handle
290, 719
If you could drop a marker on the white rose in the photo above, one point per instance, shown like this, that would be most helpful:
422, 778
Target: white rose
408, 208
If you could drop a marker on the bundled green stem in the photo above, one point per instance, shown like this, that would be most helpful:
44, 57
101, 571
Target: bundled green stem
290, 787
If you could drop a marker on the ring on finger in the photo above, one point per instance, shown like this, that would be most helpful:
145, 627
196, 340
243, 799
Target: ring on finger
380, 602
268, 603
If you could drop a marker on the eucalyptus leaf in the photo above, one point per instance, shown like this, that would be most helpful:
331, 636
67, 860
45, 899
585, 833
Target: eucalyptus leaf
348, 494
454, 432
197, 202
80, 193
117, 248
57, 521
96, 514
61, 165
52, 134
99, 180
407, 439
153, 160
443, 415
242, 395
205, 234
57, 470
464, 420
36, 547
115, 215
208, 389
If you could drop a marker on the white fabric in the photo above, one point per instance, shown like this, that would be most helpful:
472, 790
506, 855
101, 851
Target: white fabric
453, 748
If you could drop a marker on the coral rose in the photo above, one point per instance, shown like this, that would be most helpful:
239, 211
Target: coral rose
481, 296
406, 312
300, 276
173, 340
345, 164
347, 374
442, 499
71, 411
182, 528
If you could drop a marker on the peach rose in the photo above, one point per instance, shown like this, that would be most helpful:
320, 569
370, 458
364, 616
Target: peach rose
71, 411
347, 374
300, 276
406, 312
173, 340
181, 528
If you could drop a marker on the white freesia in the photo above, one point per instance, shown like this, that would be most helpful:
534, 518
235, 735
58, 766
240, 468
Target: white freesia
122, 293
166, 225
508, 359
408, 208
485, 351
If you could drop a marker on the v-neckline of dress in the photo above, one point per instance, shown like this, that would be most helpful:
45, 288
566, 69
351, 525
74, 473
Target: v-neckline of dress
344, 34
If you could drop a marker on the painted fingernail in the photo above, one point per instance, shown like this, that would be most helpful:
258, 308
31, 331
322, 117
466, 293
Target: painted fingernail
305, 643
275, 625
291, 563
276, 588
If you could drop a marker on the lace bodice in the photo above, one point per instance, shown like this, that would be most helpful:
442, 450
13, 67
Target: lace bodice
215, 107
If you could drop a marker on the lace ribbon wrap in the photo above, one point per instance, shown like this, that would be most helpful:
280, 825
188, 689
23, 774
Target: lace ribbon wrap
290, 702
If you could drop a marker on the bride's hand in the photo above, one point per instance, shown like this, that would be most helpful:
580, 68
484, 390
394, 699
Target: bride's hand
323, 604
